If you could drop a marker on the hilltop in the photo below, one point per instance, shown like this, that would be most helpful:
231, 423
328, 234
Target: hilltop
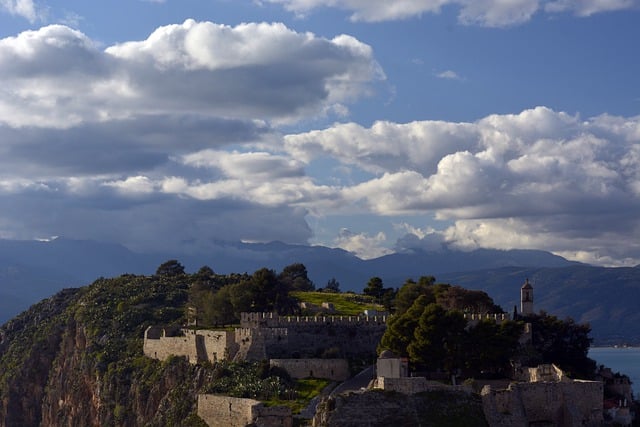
604, 297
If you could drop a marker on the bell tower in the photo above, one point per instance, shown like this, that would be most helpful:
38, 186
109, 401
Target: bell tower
526, 299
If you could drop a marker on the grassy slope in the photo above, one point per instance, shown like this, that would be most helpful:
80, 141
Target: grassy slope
347, 304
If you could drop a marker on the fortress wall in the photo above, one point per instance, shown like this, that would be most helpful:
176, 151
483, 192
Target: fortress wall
165, 346
273, 320
414, 385
218, 345
582, 399
224, 411
308, 340
331, 369
252, 343
195, 345
576, 403
333, 340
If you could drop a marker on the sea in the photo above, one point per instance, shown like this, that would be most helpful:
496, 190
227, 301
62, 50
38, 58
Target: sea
625, 360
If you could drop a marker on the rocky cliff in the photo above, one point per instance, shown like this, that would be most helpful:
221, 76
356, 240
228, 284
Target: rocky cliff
75, 359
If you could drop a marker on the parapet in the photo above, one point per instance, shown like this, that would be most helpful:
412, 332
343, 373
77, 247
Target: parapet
273, 320
497, 317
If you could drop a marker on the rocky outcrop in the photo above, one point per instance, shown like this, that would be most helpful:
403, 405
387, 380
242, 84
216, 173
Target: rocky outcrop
381, 408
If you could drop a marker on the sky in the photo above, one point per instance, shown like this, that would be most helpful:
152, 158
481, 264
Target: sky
369, 125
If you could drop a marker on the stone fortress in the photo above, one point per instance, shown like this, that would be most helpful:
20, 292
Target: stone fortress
263, 336
318, 346
304, 346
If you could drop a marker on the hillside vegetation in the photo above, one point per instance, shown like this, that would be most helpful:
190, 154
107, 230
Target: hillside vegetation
76, 358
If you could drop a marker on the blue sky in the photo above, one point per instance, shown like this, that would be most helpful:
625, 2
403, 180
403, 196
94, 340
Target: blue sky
370, 125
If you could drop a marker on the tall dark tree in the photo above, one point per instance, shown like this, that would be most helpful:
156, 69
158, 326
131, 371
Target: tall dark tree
374, 288
439, 339
400, 328
409, 292
296, 277
563, 342
332, 285
171, 268
490, 347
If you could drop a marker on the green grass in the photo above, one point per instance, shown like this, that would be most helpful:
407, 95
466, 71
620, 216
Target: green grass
346, 304
305, 390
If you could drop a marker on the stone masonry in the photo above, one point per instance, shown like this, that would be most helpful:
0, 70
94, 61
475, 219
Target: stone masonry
225, 411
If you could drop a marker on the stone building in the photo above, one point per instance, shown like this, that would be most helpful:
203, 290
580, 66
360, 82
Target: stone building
225, 411
263, 336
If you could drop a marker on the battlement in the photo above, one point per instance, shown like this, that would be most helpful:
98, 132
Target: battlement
497, 317
274, 320
263, 332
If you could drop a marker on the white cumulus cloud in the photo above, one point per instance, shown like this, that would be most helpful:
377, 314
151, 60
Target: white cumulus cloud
58, 77
539, 178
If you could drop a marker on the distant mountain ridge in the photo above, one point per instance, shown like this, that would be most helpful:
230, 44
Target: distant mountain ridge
33, 270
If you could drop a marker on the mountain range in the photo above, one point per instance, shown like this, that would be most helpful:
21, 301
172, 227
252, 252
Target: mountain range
604, 297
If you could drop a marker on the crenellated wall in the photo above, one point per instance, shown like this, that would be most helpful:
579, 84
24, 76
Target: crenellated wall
273, 320
269, 336
225, 411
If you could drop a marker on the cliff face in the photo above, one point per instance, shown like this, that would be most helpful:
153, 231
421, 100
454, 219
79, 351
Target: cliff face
76, 360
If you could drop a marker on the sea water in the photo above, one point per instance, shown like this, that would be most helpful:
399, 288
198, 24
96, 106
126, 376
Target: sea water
625, 360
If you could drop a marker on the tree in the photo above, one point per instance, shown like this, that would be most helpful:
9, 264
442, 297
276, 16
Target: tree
458, 298
565, 343
218, 309
295, 276
410, 291
332, 285
400, 328
374, 288
171, 268
438, 339
490, 347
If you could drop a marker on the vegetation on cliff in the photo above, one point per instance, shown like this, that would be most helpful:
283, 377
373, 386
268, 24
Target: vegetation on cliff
76, 358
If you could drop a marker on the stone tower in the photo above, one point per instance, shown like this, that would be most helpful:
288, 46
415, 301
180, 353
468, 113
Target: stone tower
526, 299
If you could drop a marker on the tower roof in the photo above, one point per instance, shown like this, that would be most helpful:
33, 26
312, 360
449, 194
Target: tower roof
527, 285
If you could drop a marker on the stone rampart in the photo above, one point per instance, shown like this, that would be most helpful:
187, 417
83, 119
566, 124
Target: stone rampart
195, 345
225, 411
162, 343
253, 342
331, 369
414, 385
269, 336
574, 403
273, 320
